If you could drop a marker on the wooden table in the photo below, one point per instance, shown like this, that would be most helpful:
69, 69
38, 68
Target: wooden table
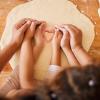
88, 7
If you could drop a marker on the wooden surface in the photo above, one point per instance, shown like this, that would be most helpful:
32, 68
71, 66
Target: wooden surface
88, 7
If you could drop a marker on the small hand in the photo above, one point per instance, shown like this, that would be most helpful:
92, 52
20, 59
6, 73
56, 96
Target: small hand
40, 40
32, 29
19, 32
76, 46
56, 39
56, 51
65, 41
40, 36
75, 36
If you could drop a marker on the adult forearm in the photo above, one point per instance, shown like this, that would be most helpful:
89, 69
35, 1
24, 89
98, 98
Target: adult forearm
83, 57
6, 54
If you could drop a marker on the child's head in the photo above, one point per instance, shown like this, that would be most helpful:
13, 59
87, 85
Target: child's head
78, 83
40, 94
69, 84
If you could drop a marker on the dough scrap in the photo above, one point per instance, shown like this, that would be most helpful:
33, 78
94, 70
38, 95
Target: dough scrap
54, 12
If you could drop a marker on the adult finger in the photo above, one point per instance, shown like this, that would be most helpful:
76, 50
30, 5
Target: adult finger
62, 29
33, 26
36, 24
41, 29
70, 29
73, 28
25, 27
20, 23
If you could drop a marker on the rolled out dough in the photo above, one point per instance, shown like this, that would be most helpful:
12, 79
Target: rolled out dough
54, 12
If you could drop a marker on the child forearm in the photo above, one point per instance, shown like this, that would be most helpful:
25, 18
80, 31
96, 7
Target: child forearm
70, 57
56, 57
37, 51
26, 55
26, 65
83, 57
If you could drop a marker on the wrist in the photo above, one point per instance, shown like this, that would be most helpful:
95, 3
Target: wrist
78, 48
56, 54
66, 49
28, 39
15, 43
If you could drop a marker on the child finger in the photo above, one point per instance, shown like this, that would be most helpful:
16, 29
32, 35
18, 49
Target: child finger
74, 27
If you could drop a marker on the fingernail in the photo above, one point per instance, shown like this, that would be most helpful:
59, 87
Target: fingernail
57, 29
28, 22
32, 22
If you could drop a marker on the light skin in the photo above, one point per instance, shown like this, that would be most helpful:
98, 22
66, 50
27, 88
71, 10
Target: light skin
70, 41
71, 45
55, 56
17, 37
39, 40
27, 56
65, 45
56, 50
61, 40
76, 46
28, 50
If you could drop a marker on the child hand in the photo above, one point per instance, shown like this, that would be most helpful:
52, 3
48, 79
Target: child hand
75, 36
40, 36
39, 40
19, 32
32, 29
65, 41
56, 51
56, 39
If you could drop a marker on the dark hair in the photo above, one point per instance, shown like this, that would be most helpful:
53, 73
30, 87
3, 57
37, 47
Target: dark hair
70, 84
78, 83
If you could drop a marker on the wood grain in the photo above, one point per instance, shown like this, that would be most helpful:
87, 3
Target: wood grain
88, 7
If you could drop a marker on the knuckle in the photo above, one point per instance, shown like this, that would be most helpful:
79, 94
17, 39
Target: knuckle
24, 19
15, 26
